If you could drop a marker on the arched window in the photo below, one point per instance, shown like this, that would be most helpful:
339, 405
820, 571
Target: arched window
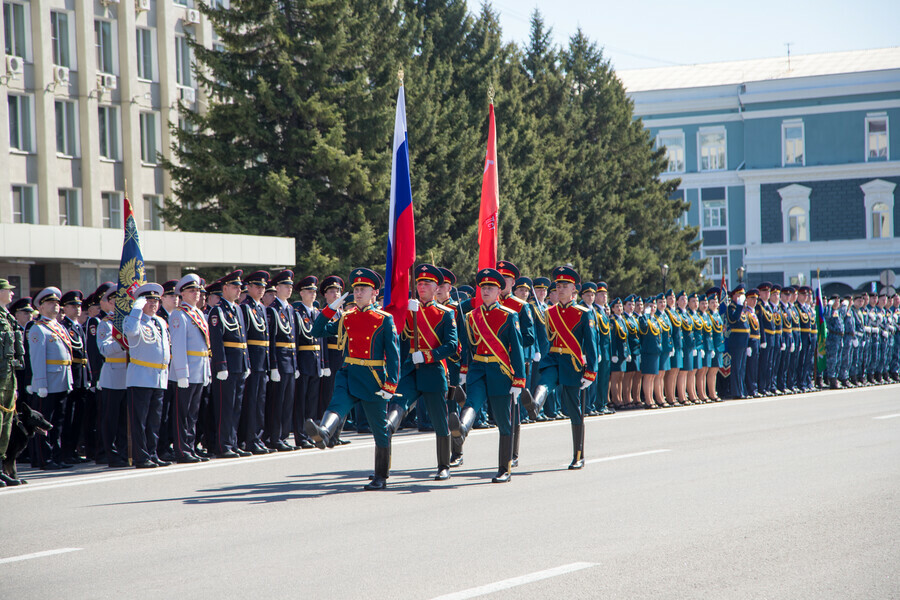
797, 225
881, 220
879, 203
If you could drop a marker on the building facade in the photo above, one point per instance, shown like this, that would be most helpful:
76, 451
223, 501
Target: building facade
790, 165
88, 89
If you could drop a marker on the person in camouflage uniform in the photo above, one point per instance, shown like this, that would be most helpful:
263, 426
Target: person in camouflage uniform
12, 353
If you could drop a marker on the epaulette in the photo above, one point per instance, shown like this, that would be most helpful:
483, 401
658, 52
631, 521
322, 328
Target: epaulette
517, 299
381, 312
444, 308
581, 308
505, 309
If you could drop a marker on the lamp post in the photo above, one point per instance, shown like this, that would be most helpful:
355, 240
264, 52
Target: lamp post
740, 272
664, 270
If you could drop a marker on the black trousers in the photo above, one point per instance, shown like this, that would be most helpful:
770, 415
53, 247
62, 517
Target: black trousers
167, 424
306, 403
253, 410
48, 447
279, 408
226, 404
115, 426
73, 419
185, 409
145, 410
326, 391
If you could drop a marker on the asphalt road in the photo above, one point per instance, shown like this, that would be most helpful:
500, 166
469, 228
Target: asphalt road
791, 497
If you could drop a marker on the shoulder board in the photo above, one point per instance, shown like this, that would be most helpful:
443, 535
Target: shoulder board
506, 310
581, 308
444, 308
517, 299
381, 312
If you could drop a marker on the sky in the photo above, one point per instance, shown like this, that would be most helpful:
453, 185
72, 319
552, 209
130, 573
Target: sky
639, 34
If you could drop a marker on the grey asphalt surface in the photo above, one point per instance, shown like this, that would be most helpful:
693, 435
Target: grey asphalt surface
788, 497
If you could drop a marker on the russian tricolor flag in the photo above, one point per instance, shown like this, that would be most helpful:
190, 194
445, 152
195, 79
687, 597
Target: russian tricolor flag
401, 247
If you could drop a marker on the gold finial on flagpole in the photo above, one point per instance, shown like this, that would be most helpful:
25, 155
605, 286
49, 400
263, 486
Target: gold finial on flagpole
126, 187
400, 75
491, 93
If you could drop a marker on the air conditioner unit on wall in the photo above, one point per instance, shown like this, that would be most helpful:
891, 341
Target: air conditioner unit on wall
107, 82
192, 17
61, 74
142, 5
15, 65
188, 94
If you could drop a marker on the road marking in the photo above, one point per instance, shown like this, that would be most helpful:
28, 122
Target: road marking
620, 456
516, 581
887, 417
37, 555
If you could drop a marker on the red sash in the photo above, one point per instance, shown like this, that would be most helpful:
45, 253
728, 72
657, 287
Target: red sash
490, 339
200, 322
60, 331
427, 333
565, 335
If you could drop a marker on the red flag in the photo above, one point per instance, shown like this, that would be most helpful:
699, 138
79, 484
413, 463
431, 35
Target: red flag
490, 204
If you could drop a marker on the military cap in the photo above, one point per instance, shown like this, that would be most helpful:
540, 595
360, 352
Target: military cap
284, 277
72, 297
449, 277
203, 286
765, 286
630, 298
659, 297
693, 295
776, 288
669, 292
738, 289
713, 291
103, 288
150, 291
523, 282
805, 289
882, 294
50, 294
835, 297
169, 287
566, 274
233, 278
848, 297
6, 285
364, 276
260, 278
427, 272
468, 290
188, 282
552, 287
578, 287
542, 283
681, 294
214, 288
111, 291
753, 293
588, 286
602, 287
856, 296
507, 269
310, 282
615, 301
489, 277
788, 290
332, 281
90, 300
23, 303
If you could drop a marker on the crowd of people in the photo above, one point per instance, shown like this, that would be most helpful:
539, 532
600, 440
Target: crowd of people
234, 368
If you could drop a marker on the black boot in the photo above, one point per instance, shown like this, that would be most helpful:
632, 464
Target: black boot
395, 416
533, 404
577, 446
456, 456
443, 458
515, 451
845, 383
382, 468
461, 425
506, 446
833, 384
321, 434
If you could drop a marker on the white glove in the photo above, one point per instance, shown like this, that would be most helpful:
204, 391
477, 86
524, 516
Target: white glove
763, 345
413, 305
418, 357
792, 347
42, 392
694, 353
536, 357
93, 389
384, 394
139, 304
884, 333
222, 375
671, 353
183, 382
274, 376
297, 374
515, 391
749, 352
856, 343
782, 347
326, 372
628, 358
28, 389
585, 383
703, 354
246, 373
647, 311
99, 388
462, 379
339, 302
615, 360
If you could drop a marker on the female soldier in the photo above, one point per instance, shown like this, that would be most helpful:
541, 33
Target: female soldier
650, 333
686, 390
631, 386
704, 345
666, 351
620, 353
677, 360
718, 343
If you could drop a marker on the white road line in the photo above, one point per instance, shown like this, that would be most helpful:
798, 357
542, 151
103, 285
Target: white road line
894, 416
37, 555
620, 456
516, 581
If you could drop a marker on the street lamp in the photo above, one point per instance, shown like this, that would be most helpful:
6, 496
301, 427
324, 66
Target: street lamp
664, 270
740, 271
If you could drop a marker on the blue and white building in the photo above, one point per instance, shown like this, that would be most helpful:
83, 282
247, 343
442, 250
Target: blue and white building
790, 166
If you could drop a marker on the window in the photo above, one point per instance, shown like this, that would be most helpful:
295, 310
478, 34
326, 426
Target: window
112, 209
152, 220
59, 37
69, 207
103, 39
148, 138
24, 209
674, 144
20, 123
66, 129
14, 29
712, 149
879, 202
109, 132
715, 208
877, 137
792, 143
798, 228
881, 220
145, 54
183, 3
183, 61
717, 263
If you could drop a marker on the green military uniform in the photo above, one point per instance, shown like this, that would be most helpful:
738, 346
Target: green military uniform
12, 356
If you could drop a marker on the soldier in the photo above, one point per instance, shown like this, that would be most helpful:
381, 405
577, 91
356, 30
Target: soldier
445, 295
834, 321
631, 384
253, 407
604, 344
620, 353
667, 351
50, 351
688, 352
231, 364
94, 405
676, 361
167, 305
849, 336
767, 336
718, 341
650, 335
370, 371
807, 320
282, 363
779, 346
73, 418
331, 289
310, 360
12, 355
428, 339
147, 375
738, 338
190, 366
751, 381
895, 357
113, 386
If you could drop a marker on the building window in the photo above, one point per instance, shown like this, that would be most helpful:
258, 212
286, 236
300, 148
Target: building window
717, 263
714, 204
674, 144
69, 207
14, 28
109, 132
103, 39
148, 138
112, 209
881, 220
877, 138
152, 206
183, 75
145, 54
186, 3
20, 123
59, 36
66, 129
879, 202
798, 228
712, 149
24, 209
792, 143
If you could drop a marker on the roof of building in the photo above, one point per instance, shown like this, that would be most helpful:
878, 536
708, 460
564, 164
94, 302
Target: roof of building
764, 69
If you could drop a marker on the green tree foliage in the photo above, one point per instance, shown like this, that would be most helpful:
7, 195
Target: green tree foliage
296, 141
